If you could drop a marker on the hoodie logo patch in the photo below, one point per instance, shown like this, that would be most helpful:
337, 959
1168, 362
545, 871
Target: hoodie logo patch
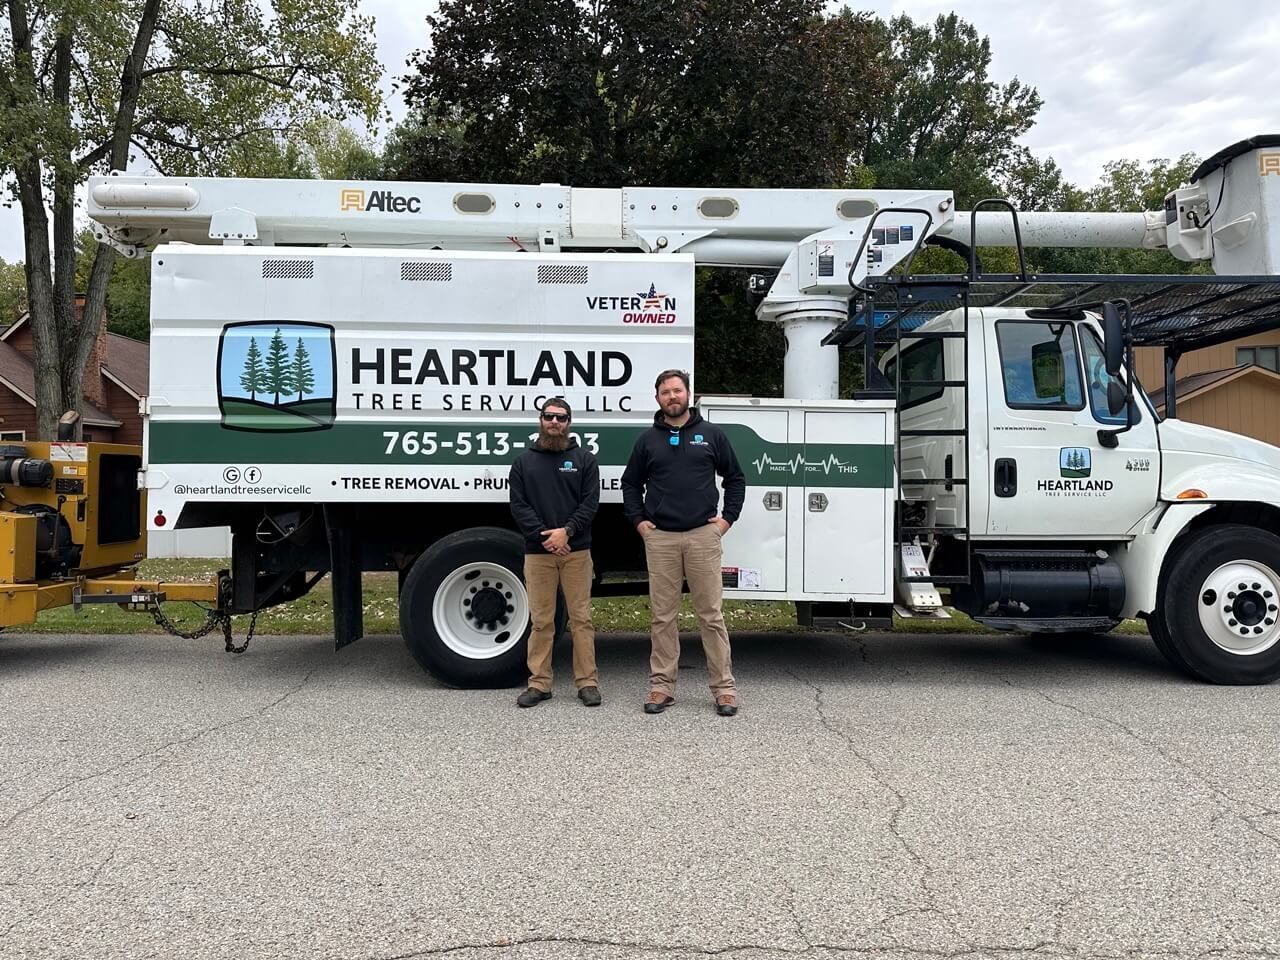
568, 467
698, 441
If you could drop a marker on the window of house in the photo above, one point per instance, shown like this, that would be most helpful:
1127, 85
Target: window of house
1268, 357
13, 436
920, 361
1040, 365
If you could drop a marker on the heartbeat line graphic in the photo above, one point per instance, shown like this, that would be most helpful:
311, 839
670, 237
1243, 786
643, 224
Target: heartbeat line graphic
796, 462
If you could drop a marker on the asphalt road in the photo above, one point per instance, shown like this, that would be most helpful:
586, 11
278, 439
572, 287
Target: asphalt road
899, 796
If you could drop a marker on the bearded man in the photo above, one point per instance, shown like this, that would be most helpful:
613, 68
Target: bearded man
555, 492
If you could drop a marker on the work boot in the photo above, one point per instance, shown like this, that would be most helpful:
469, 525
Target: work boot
726, 704
532, 697
657, 701
590, 696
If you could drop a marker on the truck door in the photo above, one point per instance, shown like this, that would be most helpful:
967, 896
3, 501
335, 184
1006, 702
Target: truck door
1049, 474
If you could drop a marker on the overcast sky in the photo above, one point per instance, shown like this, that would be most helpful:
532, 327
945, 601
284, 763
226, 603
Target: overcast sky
1120, 78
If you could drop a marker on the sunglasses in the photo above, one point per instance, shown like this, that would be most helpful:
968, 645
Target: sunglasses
557, 417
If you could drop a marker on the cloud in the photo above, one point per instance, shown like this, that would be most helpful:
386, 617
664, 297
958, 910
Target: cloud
1125, 80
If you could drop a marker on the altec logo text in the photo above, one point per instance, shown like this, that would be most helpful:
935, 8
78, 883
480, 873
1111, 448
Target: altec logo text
641, 308
384, 201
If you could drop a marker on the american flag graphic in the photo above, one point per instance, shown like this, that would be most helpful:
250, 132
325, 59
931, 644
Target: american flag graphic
653, 300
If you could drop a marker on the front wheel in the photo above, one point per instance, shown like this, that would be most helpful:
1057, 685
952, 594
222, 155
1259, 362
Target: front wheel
1218, 611
464, 612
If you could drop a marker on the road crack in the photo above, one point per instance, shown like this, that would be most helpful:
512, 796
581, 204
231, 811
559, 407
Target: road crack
154, 751
1229, 804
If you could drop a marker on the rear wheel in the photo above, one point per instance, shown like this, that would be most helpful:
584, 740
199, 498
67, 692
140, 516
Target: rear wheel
464, 612
1218, 611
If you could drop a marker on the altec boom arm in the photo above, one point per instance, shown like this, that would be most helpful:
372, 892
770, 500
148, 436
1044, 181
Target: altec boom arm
818, 240
740, 228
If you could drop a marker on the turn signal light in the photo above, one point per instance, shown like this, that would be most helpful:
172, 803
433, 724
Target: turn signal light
1193, 494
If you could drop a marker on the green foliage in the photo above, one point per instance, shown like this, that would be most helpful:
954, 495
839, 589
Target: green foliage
13, 292
945, 122
191, 86
128, 288
731, 92
744, 93
319, 148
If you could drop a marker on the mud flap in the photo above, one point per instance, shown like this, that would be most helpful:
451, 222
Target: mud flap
344, 571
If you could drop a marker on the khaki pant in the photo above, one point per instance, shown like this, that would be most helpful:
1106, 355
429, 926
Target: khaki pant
692, 556
572, 574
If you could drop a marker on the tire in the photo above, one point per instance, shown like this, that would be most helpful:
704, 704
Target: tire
483, 564
1218, 608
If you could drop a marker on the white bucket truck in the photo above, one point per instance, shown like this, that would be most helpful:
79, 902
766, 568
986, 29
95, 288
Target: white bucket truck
343, 373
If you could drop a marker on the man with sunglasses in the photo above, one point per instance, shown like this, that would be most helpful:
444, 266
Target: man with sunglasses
555, 491
669, 493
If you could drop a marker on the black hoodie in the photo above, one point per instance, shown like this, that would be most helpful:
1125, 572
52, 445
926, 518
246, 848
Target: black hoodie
555, 488
673, 484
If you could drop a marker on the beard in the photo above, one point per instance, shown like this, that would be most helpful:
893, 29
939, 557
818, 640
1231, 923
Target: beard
680, 410
552, 441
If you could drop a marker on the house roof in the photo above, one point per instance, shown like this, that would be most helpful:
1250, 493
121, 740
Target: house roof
128, 361
1200, 383
17, 373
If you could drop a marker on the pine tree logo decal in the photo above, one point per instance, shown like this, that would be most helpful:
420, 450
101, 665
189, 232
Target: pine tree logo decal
277, 377
1075, 462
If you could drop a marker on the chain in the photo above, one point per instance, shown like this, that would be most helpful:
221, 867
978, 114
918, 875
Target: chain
226, 633
214, 620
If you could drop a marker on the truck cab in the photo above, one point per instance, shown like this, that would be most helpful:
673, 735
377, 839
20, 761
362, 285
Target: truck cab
1072, 512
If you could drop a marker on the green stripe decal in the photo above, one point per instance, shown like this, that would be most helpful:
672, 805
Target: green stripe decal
490, 444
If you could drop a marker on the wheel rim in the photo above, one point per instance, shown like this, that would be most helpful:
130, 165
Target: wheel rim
481, 610
1239, 605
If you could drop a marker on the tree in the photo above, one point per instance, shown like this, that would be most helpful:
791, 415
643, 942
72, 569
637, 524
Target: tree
128, 288
304, 378
945, 123
88, 85
729, 93
13, 292
279, 370
253, 380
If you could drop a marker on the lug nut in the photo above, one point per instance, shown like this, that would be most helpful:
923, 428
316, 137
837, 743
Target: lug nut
1232, 623
1231, 596
1257, 629
1242, 586
1257, 586
1244, 631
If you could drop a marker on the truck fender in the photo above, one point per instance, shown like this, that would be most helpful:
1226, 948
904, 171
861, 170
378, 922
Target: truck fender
1142, 558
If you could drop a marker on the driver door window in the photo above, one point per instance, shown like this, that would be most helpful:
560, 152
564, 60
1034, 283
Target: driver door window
1039, 365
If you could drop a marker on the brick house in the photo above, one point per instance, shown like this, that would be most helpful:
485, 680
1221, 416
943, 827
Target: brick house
116, 376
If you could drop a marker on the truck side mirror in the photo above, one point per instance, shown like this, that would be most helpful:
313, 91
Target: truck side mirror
1048, 371
1113, 338
1117, 397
